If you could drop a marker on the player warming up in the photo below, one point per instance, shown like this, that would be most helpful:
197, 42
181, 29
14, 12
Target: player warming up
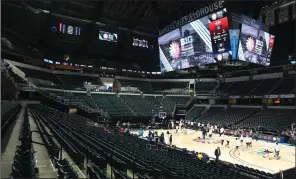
222, 140
237, 144
248, 142
227, 138
242, 140
276, 151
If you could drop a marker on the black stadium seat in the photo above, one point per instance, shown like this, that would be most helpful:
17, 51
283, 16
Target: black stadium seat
123, 152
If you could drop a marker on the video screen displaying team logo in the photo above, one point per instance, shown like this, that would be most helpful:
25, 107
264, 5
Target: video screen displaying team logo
187, 46
219, 30
197, 43
255, 45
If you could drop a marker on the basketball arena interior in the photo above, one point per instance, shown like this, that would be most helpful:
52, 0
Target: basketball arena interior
148, 89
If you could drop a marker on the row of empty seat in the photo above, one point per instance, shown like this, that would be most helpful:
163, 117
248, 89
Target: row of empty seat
124, 105
8, 118
112, 104
230, 116
270, 119
194, 113
63, 166
205, 87
123, 152
24, 165
130, 105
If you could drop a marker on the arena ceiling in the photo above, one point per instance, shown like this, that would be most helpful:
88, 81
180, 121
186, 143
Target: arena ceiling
148, 15
145, 16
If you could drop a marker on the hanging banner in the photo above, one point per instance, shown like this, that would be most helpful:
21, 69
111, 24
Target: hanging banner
283, 14
269, 21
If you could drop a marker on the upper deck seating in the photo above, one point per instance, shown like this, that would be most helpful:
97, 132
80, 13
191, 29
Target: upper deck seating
205, 87
264, 87
37, 74
286, 86
162, 86
246, 88
169, 102
139, 104
144, 86
77, 80
104, 103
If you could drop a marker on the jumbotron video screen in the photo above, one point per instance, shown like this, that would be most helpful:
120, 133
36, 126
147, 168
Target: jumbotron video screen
197, 43
255, 46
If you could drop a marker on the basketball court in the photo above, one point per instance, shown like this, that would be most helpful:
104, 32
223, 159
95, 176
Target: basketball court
248, 157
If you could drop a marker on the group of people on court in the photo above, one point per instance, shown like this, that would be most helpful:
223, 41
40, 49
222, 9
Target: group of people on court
163, 138
239, 143
268, 150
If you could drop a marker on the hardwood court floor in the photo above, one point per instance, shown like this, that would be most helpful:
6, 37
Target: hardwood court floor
248, 157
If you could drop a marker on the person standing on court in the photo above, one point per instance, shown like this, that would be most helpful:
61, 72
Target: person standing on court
216, 129
222, 140
210, 132
227, 141
221, 131
217, 153
276, 151
204, 132
237, 144
242, 139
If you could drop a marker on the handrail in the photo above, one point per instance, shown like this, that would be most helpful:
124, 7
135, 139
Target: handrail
31, 141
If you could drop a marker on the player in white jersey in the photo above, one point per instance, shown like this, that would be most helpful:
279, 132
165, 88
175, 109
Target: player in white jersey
210, 132
250, 141
221, 131
276, 151
241, 140
237, 145
247, 139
